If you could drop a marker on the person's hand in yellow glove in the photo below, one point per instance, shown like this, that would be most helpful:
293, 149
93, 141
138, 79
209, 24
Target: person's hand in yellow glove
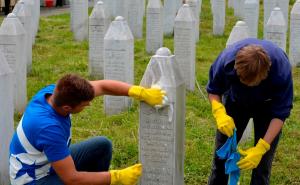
152, 96
253, 155
225, 123
127, 176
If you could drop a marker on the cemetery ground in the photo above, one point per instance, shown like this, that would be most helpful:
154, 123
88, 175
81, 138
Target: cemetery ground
55, 54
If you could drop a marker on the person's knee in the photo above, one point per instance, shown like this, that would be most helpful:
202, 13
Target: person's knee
104, 143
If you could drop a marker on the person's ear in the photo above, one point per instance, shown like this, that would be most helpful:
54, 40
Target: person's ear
66, 108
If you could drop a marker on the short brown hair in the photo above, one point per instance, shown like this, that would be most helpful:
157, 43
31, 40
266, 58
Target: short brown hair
252, 64
72, 90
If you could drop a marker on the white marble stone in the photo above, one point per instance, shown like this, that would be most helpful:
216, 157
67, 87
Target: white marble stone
218, 7
80, 19
98, 24
6, 117
161, 131
136, 17
23, 13
251, 16
238, 6
12, 44
294, 53
170, 10
195, 7
230, 3
122, 8
239, 32
184, 45
154, 27
108, 7
118, 62
34, 13
276, 28
38, 14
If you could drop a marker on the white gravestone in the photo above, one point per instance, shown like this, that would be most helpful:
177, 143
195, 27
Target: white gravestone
295, 35
251, 15
161, 131
118, 62
12, 44
80, 19
170, 10
38, 12
23, 13
238, 32
154, 28
136, 17
195, 7
184, 45
218, 7
276, 28
108, 7
230, 3
98, 24
269, 5
31, 5
122, 8
238, 8
6, 117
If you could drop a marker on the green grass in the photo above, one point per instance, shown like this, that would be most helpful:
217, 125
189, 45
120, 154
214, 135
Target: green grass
55, 54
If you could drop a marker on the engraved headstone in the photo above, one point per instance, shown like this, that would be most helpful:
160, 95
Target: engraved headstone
195, 7
154, 28
218, 7
295, 35
23, 13
98, 24
118, 62
238, 7
80, 19
12, 44
6, 117
31, 5
184, 44
108, 7
135, 17
238, 32
161, 131
276, 28
122, 8
251, 15
170, 10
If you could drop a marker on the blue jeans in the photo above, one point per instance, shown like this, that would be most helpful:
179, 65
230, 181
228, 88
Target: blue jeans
93, 155
241, 114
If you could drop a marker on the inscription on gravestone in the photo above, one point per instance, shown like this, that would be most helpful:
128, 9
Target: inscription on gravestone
161, 131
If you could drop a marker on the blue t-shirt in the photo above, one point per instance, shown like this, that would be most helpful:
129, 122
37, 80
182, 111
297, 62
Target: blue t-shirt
277, 88
47, 131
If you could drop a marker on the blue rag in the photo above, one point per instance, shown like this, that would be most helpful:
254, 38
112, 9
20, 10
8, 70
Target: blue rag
229, 152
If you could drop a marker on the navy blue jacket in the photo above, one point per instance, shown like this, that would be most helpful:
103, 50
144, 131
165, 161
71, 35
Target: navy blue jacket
276, 89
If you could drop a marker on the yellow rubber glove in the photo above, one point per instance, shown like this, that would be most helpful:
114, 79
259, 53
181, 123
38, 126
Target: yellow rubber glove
127, 176
152, 96
225, 123
253, 155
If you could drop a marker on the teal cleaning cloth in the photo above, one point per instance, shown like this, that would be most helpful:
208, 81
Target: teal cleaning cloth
229, 152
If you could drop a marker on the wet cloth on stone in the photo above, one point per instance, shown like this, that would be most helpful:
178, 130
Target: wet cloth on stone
229, 152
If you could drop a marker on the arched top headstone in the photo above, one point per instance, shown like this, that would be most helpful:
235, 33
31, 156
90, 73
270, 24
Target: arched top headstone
163, 51
118, 30
185, 14
276, 17
11, 26
239, 32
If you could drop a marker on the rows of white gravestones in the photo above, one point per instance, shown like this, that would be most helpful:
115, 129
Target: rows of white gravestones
17, 35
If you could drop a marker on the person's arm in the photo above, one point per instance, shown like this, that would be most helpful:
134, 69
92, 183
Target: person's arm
67, 172
273, 130
215, 97
110, 87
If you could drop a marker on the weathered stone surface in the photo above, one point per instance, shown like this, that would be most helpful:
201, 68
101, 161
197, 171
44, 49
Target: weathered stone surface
23, 13
98, 24
154, 29
184, 44
122, 8
161, 131
276, 28
6, 117
80, 19
108, 7
195, 7
34, 14
136, 17
12, 44
251, 15
238, 32
118, 62
218, 9
294, 54
170, 10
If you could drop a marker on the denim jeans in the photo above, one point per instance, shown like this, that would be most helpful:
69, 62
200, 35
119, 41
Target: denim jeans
241, 114
93, 155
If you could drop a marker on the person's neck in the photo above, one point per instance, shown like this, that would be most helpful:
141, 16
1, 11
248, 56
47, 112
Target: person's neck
59, 110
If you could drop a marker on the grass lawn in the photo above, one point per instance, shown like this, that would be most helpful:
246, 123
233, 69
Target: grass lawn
55, 54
